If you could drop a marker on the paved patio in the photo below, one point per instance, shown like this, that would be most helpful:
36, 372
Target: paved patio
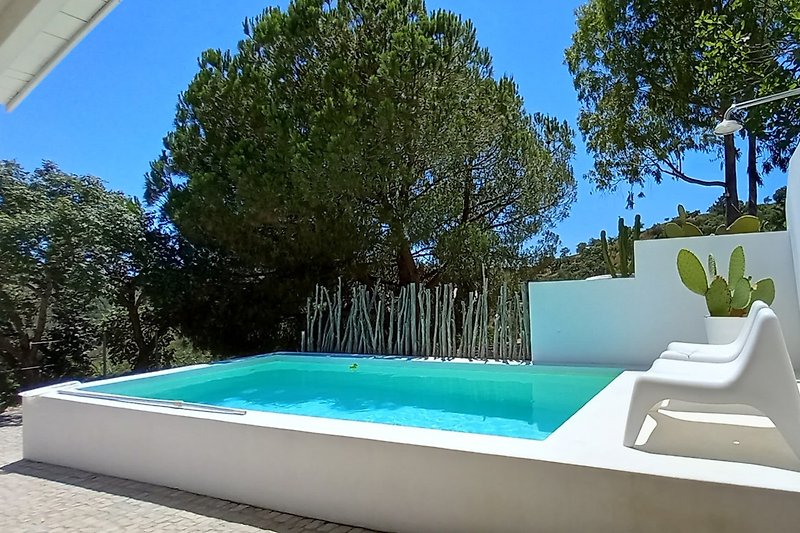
38, 497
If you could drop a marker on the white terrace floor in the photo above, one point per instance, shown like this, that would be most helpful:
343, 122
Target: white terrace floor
678, 440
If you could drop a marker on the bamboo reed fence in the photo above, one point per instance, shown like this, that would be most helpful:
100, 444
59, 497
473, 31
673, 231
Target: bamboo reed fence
419, 321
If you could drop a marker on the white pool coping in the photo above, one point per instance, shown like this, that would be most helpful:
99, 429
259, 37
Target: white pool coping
591, 438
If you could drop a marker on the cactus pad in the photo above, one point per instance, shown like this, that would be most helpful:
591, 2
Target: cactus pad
736, 266
764, 291
745, 224
692, 273
718, 298
741, 294
712, 267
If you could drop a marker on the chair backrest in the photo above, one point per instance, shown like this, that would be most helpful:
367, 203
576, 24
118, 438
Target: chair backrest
747, 328
793, 212
764, 359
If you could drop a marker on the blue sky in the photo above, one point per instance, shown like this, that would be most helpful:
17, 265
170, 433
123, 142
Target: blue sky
106, 107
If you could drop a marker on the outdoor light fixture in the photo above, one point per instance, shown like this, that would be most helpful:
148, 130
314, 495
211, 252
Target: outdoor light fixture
730, 125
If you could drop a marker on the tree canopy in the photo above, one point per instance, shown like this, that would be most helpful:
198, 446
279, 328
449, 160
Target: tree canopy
67, 245
655, 77
362, 137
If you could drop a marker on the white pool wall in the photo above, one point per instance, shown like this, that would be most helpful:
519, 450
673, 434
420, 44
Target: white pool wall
378, 481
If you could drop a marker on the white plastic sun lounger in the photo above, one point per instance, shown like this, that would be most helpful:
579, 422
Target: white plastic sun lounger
761, 376
714, 353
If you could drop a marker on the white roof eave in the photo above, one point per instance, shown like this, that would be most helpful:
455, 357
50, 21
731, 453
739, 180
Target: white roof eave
35, 35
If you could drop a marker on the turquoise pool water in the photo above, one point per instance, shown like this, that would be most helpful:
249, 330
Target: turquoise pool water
527, 402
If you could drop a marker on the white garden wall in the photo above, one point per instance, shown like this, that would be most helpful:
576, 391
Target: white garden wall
629, 322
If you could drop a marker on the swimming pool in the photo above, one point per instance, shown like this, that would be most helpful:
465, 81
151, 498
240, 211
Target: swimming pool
527, 402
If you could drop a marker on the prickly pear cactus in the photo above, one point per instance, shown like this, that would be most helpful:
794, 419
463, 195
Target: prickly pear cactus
731, 297
682, 228
718, 297
764, 290
743, 224
692, 273
712, 267
736, 265
740, 298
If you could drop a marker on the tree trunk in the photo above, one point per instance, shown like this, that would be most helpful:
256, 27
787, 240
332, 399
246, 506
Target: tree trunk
28, 354
407, 271
732, 211
144, 352
753, 179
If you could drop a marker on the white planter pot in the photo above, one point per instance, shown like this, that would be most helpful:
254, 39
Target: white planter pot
723, 329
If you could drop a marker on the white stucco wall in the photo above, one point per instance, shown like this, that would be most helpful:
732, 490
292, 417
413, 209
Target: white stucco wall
628, 322
395, 486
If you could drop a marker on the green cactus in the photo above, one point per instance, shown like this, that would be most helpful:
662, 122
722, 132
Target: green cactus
741, 294
610, 268
692, 273
736, 265
718, 297
712, 266
731, 297
682, 228
743, 224
624, 264
763, 290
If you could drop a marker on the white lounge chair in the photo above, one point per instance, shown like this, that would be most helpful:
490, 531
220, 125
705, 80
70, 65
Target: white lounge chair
761, 376
714, 353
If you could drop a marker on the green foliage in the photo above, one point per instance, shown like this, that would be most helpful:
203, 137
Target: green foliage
731, 297
625, 264
184, 353
368, 139
67, 243
655, 77
749, 48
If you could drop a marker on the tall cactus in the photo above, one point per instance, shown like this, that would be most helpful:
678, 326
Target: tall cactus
419, 321
625, 264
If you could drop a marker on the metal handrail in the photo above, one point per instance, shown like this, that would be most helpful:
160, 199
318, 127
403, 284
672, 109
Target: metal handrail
172, 404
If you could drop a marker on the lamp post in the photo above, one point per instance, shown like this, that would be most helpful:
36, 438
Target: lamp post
729, 126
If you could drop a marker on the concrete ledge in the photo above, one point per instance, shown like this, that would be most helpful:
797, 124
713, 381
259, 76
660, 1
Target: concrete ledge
406, 479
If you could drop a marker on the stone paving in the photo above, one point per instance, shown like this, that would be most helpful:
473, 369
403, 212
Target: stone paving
37, 497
